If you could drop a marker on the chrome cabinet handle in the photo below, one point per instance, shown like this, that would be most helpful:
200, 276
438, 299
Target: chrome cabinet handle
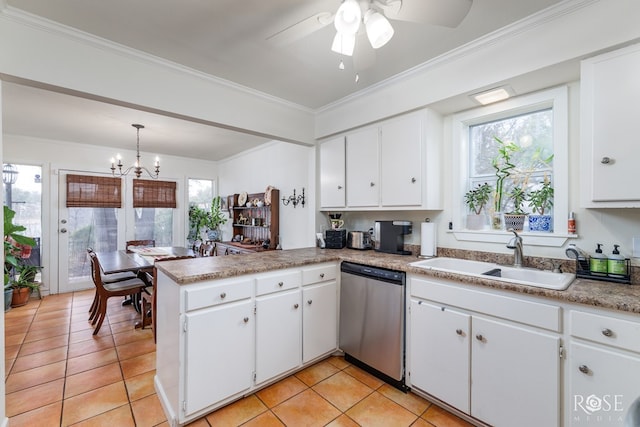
371, 184
223, 295
322, 275
479, 337
605, 160
459, 331
281, 284
309, 302
246, 320
339, 187
584, 369
413, 180
296, 306
607, 332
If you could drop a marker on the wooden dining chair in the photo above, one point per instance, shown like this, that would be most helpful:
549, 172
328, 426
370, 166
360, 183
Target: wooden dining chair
139, 243
104, 291
149, 295
106, 278
207, 248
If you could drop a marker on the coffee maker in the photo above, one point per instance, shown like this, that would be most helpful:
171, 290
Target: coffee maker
390, 236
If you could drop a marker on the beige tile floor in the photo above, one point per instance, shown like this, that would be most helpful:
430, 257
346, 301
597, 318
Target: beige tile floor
58, 373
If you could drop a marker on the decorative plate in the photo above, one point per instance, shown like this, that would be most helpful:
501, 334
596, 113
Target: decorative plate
267, 195
242, 198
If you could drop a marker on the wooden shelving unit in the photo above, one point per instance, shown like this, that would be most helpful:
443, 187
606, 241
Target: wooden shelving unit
258, 226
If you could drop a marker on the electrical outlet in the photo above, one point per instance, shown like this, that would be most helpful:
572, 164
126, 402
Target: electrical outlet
636, 247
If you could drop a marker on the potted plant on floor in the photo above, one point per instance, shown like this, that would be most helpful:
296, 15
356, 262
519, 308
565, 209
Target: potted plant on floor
17, 248
476, 200
23, 284
541, 201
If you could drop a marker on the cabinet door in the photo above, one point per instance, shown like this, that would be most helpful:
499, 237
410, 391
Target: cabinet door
332, 173
515, 375
218, 359
602, 385
319, 320
278, 334
440, 353
363, 168
609, 112
401, 162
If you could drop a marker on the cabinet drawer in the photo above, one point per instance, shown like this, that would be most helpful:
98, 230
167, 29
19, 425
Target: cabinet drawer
516, 309
319, 273
202, 296
277, 281
606, 330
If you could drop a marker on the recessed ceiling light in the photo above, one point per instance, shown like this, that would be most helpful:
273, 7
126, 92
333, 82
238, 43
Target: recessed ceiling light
492, 95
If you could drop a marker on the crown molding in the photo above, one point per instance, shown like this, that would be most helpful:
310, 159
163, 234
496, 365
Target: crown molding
512, 30
21, 17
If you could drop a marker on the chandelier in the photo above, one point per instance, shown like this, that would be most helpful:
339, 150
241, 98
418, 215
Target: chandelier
137, 167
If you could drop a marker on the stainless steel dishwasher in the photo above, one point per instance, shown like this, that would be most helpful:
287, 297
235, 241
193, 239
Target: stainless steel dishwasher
372, 320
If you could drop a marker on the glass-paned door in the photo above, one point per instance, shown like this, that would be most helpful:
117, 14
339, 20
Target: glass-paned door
80, 228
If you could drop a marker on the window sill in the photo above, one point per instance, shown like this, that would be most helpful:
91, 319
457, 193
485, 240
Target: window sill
555, 240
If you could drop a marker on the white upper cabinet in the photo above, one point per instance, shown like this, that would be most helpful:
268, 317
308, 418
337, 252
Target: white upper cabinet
394, 164
332, 173
610, 146
363, 163
401, 166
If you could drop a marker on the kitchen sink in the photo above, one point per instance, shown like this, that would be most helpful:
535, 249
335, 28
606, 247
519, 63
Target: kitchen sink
523, 276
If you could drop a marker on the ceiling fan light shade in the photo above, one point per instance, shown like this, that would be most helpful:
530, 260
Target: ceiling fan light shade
344, 43
348, 17
379, 30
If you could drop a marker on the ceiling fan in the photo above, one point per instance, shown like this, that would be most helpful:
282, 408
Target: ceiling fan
355, 18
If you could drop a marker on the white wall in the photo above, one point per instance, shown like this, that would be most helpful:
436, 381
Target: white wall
284, 166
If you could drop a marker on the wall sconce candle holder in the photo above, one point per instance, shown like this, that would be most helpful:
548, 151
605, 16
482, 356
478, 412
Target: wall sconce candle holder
294, 200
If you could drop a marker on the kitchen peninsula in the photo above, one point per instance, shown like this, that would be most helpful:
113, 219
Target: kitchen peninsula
228, 326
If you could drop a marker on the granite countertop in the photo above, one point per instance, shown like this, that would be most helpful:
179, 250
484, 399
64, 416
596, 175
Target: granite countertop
593, 293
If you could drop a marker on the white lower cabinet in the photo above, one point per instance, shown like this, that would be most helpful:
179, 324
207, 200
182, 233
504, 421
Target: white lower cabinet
319, 320
228, 327
514, 369
441, 356
603, 369
278, 334
471, 350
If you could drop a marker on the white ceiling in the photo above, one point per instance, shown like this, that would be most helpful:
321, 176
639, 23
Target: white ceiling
228, 39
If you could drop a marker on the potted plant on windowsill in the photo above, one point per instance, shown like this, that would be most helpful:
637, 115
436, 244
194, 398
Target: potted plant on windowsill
515, 219
476, 200
541, 201
503, 167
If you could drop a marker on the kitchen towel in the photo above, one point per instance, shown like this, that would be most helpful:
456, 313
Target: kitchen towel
428, 239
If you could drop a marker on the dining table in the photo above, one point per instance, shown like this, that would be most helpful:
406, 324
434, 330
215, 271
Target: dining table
138, 260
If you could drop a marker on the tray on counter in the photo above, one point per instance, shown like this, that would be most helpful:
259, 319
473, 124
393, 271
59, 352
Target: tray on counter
583, 272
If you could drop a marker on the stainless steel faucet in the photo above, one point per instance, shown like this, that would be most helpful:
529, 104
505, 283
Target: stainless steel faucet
516, 244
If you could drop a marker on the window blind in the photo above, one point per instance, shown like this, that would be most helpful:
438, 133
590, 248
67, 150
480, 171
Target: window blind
154, 194
85, 191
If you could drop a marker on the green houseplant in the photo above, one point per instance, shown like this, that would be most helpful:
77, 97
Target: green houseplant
206, 221
503, 168
515, 218
541, 201
18, 276
476, 199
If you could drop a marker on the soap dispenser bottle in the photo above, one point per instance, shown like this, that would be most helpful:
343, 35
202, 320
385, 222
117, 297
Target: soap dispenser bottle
616, 264
598, 263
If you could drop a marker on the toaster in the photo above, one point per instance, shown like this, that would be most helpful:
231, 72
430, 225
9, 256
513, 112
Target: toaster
359, 240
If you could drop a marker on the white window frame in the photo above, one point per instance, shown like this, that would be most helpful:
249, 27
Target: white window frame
558, 100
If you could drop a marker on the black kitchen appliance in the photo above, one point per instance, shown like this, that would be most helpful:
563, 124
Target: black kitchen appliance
335, 239
390, 236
